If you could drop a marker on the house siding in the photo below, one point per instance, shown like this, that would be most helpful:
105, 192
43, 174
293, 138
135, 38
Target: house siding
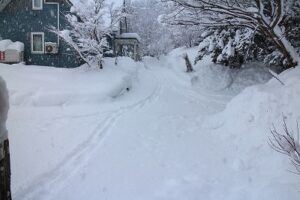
18, 21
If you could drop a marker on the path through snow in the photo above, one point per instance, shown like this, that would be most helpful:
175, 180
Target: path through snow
160, 141
150, 151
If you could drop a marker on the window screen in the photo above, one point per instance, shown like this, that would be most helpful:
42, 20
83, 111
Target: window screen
37, 42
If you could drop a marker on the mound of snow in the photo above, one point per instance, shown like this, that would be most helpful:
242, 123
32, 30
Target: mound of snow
46, 86
245, 127
17, 46
9, 45
4, 44
215, 78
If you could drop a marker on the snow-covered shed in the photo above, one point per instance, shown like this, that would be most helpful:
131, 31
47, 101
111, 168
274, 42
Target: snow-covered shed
126, 43
11, 52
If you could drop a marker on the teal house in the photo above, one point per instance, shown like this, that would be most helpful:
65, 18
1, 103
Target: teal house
30, 22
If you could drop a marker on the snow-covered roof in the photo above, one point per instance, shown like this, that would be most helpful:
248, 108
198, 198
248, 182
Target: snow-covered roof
3, 4
4, 44
18, 46
131, 36
9, 45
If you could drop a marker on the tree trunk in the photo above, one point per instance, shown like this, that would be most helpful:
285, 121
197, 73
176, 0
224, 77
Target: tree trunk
5, 193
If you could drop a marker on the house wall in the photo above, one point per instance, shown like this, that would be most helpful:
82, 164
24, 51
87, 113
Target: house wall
18, 20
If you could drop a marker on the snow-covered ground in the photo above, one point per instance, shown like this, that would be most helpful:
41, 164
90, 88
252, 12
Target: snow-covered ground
79, 134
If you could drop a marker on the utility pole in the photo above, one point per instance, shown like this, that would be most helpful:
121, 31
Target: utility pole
5, 192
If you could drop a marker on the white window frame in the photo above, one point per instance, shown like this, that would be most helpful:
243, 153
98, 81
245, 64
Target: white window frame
37, 8
43, 42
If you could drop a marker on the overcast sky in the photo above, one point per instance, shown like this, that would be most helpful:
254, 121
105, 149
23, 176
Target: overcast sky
117, 1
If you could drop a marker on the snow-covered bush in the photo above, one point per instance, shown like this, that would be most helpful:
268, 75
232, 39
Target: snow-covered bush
226, 46
87, 32
267, 19
235, 46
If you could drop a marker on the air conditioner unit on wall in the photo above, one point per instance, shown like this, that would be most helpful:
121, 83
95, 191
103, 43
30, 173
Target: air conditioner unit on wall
51, 48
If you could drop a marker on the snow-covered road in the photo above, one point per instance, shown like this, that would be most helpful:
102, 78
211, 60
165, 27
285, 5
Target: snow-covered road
144, 146
149, 150
78, 134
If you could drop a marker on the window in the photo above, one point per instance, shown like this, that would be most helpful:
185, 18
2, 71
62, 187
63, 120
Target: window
37, 43
37, 4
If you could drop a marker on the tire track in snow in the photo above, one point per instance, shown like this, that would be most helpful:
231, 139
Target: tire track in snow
55, 180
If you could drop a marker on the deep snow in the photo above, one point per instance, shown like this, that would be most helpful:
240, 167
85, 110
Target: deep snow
79, 134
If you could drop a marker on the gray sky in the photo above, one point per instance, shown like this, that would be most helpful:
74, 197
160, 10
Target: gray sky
117, 1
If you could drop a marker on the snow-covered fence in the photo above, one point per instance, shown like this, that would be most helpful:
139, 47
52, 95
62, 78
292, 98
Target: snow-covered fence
11, 52
5, 193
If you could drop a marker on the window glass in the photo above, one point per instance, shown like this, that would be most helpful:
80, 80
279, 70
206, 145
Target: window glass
37, 40
37, 3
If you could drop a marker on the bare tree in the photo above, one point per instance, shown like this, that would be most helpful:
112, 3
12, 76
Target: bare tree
265, 17
87, 33
5, 193
287, 143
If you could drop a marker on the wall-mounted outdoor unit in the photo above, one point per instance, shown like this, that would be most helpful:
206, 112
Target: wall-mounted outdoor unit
51, 48
11, 52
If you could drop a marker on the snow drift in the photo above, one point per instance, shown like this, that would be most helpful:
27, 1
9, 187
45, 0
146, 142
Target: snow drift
47, 86
245, 127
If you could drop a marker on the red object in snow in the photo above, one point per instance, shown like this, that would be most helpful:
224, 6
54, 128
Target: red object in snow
2, 55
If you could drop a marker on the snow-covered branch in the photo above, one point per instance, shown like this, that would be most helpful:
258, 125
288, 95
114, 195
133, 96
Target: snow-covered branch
87, 33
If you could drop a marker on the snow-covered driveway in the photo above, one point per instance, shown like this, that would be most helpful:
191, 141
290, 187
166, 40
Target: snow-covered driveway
151, 151
163, 140
142, 146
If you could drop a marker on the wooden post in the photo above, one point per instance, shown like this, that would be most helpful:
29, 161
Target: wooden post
189, 67
5, 192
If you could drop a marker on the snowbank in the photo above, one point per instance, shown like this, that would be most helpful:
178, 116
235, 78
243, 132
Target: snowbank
54, 111
3, 110
216, 78
46, 86
244, 126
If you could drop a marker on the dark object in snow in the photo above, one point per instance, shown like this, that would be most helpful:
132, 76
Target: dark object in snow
189, 67
5, 192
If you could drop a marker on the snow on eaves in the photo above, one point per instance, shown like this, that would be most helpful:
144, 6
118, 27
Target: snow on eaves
131, 36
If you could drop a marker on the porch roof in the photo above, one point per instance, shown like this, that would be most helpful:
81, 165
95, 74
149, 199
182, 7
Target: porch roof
130, 36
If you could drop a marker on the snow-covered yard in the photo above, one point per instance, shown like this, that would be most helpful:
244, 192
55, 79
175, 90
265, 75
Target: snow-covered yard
79, 134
